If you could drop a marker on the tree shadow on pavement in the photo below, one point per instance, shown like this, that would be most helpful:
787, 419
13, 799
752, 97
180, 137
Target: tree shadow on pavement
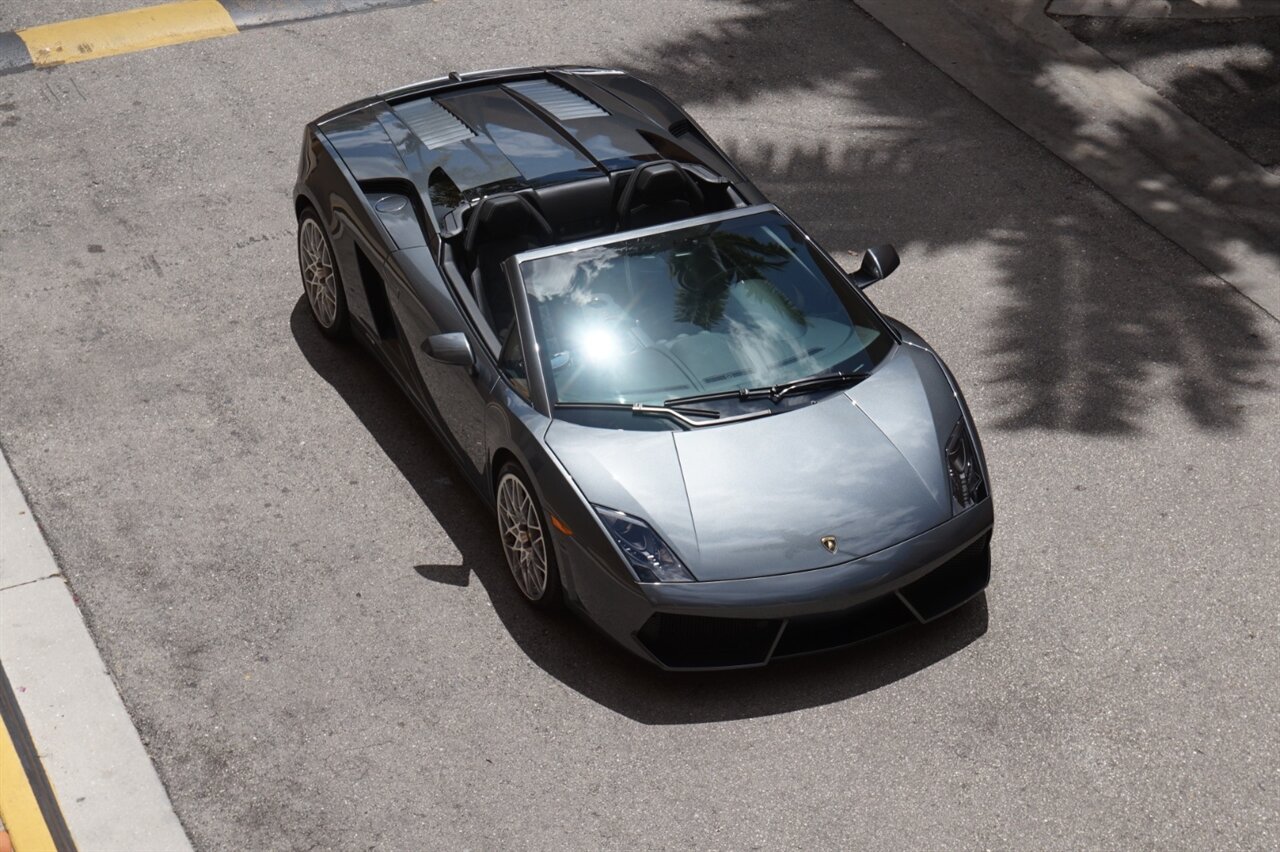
567, 647
1085, 339
1223, 73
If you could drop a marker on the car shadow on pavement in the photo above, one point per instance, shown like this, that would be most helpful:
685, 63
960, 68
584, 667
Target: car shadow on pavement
567, 647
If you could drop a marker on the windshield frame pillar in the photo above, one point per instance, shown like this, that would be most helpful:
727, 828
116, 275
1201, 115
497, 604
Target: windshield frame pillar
538, 391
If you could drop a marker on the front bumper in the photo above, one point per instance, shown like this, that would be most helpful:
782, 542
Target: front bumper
744, 623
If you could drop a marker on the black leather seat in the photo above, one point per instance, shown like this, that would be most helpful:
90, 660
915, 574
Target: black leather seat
502, 225
657, 193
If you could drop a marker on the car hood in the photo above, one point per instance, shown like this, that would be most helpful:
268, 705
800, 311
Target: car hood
756, 498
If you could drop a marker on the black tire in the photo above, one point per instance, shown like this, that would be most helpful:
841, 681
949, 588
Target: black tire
321, 281
526, 539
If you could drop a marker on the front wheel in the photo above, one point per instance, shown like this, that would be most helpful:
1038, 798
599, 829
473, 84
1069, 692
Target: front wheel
526, 539
320, 276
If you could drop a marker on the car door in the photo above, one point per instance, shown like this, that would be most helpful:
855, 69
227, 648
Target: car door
424, 306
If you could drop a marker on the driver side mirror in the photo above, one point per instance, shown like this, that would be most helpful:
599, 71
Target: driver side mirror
451, 348
878, 263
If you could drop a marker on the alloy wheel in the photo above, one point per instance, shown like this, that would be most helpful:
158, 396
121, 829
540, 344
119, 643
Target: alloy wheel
523, 539
317, 272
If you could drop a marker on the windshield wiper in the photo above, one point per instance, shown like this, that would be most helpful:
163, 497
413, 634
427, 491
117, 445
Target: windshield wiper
809, 383
681, 414
775, 393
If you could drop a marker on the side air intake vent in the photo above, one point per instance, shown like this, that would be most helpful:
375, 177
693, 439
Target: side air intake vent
682, 127
563, 103
432, 123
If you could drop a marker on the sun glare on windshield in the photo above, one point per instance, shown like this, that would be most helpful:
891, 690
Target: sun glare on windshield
730, 304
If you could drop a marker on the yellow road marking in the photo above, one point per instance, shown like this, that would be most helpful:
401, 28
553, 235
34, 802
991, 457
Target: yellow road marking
18, 807
125, 32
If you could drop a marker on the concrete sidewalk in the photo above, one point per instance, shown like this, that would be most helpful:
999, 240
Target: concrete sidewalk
1184, 9
1190, 185
84, 741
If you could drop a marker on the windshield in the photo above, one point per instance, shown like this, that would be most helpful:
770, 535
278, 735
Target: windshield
739, 303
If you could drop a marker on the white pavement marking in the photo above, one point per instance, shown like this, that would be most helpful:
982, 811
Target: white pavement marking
108, 790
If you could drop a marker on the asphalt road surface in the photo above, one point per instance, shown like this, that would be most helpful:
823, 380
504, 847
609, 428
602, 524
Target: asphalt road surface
307, 613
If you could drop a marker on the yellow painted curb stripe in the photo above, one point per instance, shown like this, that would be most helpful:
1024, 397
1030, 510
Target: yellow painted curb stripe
18, 807
125, 32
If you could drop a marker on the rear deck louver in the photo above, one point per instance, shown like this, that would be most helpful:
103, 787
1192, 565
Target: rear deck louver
561, 102
432, 123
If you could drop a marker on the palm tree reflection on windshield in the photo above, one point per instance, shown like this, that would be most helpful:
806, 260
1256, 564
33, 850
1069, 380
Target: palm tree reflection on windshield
709, 265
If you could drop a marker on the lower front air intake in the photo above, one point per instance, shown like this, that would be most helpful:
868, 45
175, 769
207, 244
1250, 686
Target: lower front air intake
951, 583
703, 642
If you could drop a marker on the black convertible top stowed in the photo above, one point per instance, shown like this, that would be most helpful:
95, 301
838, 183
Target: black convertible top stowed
562, 137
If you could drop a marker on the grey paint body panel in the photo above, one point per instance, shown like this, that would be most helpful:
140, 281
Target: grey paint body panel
633, 472
755, 498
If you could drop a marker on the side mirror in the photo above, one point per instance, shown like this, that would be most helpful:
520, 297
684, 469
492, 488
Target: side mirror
451, 348
877, 263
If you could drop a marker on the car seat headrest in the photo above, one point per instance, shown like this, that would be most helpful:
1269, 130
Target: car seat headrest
664, 182
504, 216
657, 183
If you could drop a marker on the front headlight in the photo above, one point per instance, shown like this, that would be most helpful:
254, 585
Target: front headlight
647, 554
963, 469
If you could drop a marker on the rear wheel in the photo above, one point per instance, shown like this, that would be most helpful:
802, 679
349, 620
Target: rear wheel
320, 277
526, 539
